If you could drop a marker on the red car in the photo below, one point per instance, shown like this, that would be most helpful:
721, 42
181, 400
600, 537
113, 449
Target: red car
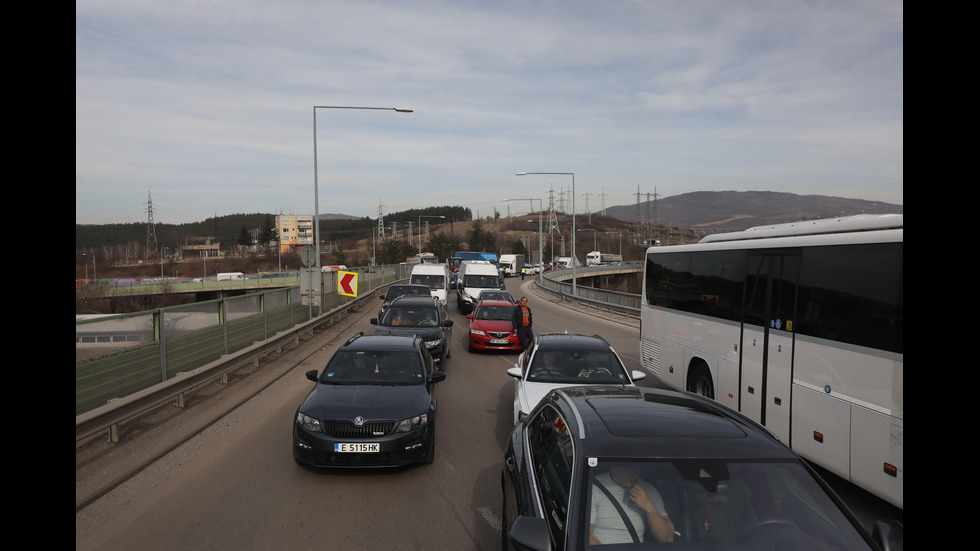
490, 326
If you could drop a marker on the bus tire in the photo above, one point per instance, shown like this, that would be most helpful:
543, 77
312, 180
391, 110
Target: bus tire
699, 380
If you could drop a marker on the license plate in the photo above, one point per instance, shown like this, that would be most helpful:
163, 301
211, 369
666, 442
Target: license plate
350, 447
499, 341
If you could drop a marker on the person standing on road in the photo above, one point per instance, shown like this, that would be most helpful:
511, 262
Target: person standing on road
521, 321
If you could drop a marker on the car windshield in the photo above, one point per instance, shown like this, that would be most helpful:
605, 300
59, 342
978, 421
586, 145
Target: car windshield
432, 281
396, 292
493, 312
481, 281
577, 367
410, 316
378, 368
718, 504
484, 295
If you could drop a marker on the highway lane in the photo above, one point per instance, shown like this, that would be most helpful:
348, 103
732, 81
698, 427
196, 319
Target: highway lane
235, 485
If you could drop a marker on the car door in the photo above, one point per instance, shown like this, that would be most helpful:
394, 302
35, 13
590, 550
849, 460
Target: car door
550, 446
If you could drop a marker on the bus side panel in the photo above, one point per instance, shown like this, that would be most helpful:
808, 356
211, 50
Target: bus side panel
821, 430
726, 383
878, 440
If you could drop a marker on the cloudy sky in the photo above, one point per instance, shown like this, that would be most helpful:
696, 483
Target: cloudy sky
206, 107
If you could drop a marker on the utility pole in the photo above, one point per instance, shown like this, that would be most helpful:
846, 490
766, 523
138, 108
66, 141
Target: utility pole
151, 232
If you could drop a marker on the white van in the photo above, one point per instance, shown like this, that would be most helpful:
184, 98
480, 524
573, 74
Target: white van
436, 276
230, 276
474, 276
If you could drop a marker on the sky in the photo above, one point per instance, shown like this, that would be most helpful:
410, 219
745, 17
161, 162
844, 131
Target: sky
189, 109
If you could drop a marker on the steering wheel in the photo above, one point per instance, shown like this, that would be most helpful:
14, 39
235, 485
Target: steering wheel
595, 373
766, 523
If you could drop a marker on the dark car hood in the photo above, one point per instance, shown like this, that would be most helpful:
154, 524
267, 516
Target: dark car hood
372, 402
427, 333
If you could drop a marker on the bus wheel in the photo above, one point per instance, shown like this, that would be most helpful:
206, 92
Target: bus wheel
699, 381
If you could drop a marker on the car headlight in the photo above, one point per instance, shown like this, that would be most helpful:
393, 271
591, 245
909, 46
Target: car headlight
412, 423
477, 332
308, 423
433, 344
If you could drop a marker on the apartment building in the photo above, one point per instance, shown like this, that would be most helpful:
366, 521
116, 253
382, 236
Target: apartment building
295, 231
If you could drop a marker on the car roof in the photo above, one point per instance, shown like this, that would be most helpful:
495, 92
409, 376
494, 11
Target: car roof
416, 300
545, 341
408, 286
360, 341
494, 302
633, 422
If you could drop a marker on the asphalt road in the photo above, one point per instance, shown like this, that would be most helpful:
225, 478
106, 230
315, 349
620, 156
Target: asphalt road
218, 480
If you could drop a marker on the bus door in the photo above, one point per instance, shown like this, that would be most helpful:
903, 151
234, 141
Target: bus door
767, 339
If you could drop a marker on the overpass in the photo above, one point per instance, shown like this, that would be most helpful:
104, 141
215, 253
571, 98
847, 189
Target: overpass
202, 289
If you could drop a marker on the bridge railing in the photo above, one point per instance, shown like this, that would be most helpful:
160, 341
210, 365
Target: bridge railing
121, 355
559, 283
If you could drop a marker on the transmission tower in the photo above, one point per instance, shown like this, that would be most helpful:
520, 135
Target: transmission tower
151, 232
656, 218
636, 214
381, 222
552, 215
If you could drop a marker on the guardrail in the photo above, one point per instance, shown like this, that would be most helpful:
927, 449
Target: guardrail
625, 304
126, 364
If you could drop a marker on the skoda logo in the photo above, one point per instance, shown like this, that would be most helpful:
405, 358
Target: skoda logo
359, 421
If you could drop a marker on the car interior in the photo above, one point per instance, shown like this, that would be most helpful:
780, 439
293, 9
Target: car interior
719, 504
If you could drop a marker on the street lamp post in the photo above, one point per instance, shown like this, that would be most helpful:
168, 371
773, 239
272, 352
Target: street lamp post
620, 234
595, 242
95, 275
420, 231
540, 233
574, 259
316, 191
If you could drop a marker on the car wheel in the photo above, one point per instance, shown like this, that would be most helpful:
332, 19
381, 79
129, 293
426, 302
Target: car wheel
700, 381
430, 453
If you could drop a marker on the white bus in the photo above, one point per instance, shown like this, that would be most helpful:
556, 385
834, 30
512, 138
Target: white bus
798, 326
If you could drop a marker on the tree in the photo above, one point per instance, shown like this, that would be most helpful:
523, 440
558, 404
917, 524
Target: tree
395, 251
244, 238
481, 240
268, 232
441, 245
519, 248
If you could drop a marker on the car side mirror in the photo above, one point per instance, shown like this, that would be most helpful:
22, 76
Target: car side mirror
515, 372
530, 533
469, 316
436, 376
374, 321
889, 534
448, 323
638, 375
311, 375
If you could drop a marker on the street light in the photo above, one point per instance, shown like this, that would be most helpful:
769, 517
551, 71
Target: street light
620, 234
420, 231
574, 260
316, 190
595, 241
95, 275
540, 234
